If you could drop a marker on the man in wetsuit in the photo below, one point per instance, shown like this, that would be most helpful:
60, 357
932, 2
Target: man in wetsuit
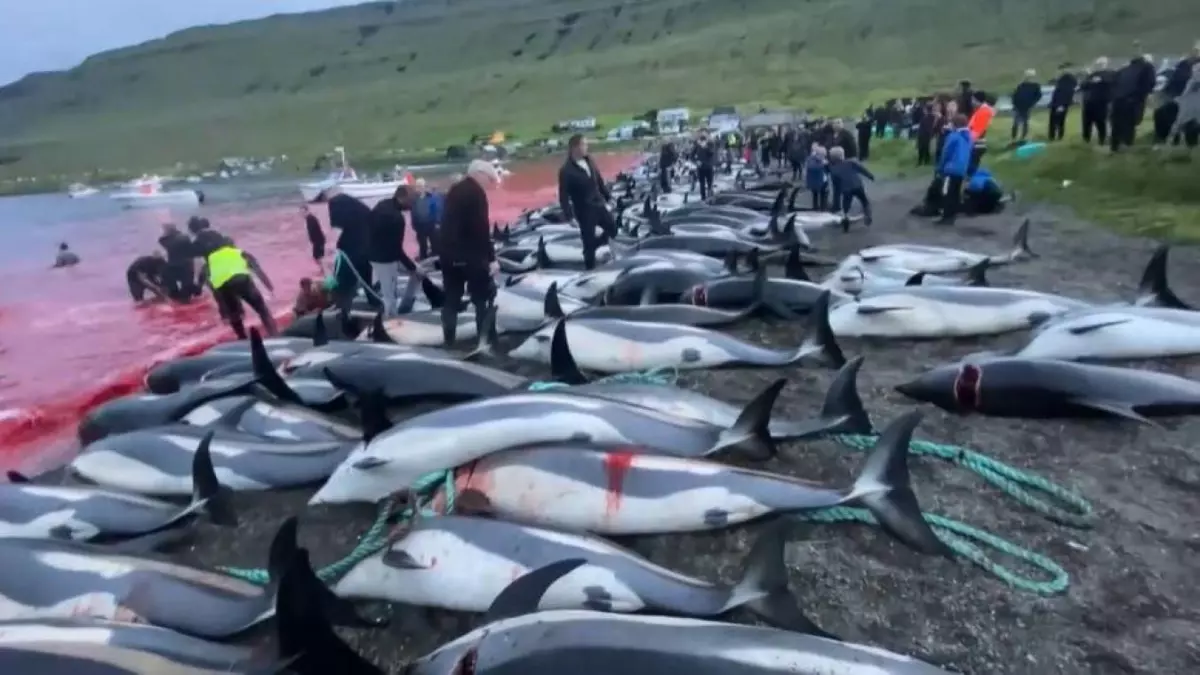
146, 274
179, 277
316, 237
467, 258
227, 269
705, 156
583, 198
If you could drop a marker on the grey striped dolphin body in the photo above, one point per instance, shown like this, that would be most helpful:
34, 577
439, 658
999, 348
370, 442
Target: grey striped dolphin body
141, 411
78, 513
83, 646
279, 420
158, 461
523, 309
616, 346
519, 639
624, 492
936, 259
451, 437
463, 563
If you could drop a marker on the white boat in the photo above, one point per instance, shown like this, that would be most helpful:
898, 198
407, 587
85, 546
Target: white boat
79, 191
151, 194
346, 181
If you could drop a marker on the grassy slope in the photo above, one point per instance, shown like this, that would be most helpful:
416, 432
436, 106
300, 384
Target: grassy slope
424, 73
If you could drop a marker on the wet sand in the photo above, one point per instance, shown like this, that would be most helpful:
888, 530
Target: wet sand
1131, 606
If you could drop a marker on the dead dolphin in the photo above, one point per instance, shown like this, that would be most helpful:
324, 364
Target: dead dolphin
140, 411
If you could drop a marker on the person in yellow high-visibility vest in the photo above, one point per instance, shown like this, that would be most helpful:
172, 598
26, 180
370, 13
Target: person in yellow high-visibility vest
227, 271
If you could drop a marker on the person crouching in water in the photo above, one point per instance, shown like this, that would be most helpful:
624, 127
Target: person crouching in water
145, 274
228, 269
467, 258
846, 176
816, 177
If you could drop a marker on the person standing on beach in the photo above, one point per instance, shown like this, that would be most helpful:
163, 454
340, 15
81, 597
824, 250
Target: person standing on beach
467, 257
426, 214
1096, 91
1060, 102
705, 157
583, 198
352, 265
386, 246
953, 168
316, 237
1024, 97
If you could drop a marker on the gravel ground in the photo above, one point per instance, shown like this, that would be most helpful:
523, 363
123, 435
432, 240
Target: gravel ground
1129, 607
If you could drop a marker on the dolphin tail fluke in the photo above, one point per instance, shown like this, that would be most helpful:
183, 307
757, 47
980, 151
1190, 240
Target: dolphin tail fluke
543, 258
562, 361
819, 339
1154, 288
883, 488
796, 235
265, 371
843, 401
306, 640
751, 433
763, 588
977, 274
777, 205
487, 335
1021, 250
551, 307
791, 206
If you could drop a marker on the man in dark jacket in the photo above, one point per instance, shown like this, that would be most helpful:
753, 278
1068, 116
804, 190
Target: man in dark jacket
1180, 75
353, 263
667, 156
583, 198
966, 98
705, 156
801, 146
863, 127
316, 237
1024, 98
1060, 102
1132, 86
1147, 80
178, 277
926, 131
467, 257
844, 139
846, 177
1096, 91
386, 247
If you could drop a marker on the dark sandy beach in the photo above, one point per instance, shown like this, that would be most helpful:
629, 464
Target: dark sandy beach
1133, 603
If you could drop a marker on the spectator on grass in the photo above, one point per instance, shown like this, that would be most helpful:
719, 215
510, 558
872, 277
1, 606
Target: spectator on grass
926, 128
978, 125
1178, 80
1096, 91
816, 177
1024, 97
844, 139
863, 126
1127, 100
1060, 101
846, 174
1187, 117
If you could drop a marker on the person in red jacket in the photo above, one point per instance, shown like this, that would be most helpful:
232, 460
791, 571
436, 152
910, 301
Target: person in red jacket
467, 258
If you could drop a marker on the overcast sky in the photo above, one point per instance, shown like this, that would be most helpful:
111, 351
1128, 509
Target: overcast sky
58, 34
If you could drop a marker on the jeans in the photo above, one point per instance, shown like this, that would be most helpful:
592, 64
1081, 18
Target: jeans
386, 274
859, 194
1020, 122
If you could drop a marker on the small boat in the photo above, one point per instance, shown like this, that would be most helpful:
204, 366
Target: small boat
79, 191
151, 194
346, 181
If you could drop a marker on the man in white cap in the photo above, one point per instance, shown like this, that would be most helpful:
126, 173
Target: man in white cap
465, 250
1024, 98
426, 214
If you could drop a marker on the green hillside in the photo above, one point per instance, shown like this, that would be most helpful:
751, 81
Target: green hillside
423, 73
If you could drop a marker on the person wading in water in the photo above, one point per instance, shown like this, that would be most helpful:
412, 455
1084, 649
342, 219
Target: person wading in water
466, 255
227, 269
583, 198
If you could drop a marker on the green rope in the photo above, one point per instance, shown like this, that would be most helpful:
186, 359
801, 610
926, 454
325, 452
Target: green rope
1019, 485
958, 537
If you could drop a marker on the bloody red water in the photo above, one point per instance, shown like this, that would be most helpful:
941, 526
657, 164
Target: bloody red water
71, 339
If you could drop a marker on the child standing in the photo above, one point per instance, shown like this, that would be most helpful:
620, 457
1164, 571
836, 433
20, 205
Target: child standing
816, 177
846, 176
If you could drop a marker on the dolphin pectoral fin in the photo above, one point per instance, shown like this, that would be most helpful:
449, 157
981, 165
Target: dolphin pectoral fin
232, 417
17, 478
763, 588
1116, 409
977, 273
868, 309
264, 371
915, 280
525, 594
751, 431
780, 610
562, 362
207, 492
1096, 325
401, 559
543, 258
649, 296
883, 487
819, 338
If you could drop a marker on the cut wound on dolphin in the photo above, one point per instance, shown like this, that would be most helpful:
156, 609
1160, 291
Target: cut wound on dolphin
616, 465
966, 387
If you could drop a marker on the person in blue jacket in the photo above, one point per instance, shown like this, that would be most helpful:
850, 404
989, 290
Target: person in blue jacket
426, 215
983, 194
952, 168
816, 177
